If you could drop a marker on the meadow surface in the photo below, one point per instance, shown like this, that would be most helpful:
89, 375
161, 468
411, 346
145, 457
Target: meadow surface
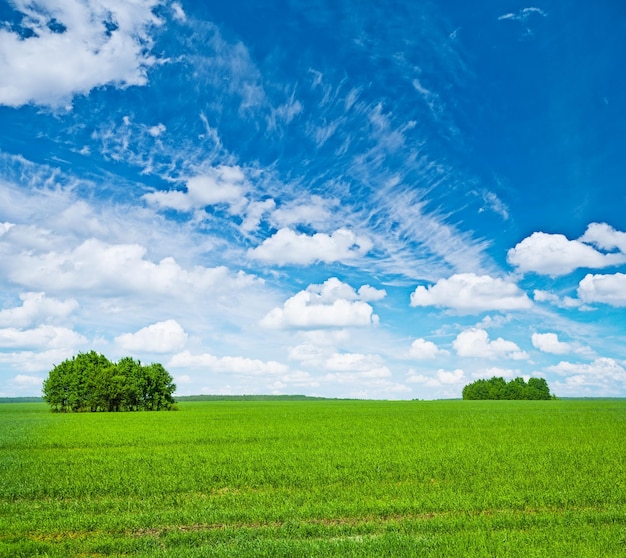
316, 478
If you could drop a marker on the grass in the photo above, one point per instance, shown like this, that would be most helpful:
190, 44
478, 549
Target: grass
316, 478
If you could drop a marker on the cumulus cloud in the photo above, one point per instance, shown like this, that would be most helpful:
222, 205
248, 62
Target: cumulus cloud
289, 247
161, 337
469, 293
549, 343
602, 371
474, 342
179, 13
25, 381
39, 360
255, 212
371, 294
441, 378
315, 211
237, 365
604, 237
371, 366
96, 266
496, 371
551, 298
40, 337
425, 350
298, 378
332, 304
220, 185
351, 368
606, 289
555, 254
37, 307
67, 48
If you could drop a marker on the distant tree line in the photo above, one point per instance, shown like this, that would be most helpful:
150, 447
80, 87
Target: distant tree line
499, 388
91, 382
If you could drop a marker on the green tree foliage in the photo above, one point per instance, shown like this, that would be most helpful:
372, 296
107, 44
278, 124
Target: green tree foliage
498, 388
91, 382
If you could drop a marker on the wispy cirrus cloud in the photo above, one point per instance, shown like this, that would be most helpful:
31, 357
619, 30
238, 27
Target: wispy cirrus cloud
523, 14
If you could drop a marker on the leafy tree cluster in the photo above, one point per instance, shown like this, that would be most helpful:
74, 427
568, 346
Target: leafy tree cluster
499, 388
90, 382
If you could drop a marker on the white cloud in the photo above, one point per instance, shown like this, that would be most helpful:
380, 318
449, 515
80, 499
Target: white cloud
606, 289
359, 369
220, 185
161, 337
179, 13
549, 343
425, 350
40, 337
554, 255
371, 294
36, 307
367, 372
112, 269
600, 371
74, 46
495, 204
315, 212
156, 131
475, 342
469, 293
441, 378
255, 212
36, 360
604, 237
498, 372
26, 381
289, 247
298, 379
565, 302
332, 304
371, 366
237, 365
523, 14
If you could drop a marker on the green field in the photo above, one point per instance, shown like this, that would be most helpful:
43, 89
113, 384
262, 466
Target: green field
316, 478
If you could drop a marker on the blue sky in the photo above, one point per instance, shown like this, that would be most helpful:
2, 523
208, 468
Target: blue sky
347, 199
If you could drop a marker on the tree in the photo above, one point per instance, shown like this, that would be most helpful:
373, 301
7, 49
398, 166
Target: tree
498, 388
539, 389
90, 382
